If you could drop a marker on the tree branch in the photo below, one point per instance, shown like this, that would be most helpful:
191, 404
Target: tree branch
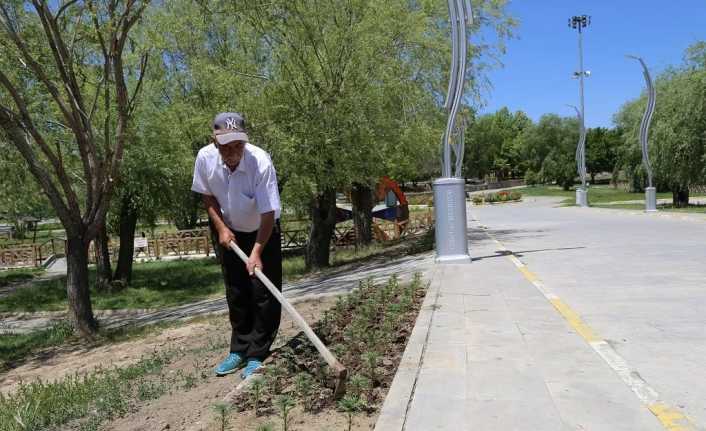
16, 134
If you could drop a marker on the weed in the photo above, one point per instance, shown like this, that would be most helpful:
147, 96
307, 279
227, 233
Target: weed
351, 405
358, 384
284, 404
256, 390
304, 384
222, 410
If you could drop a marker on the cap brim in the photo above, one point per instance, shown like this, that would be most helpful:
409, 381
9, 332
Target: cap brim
227, 138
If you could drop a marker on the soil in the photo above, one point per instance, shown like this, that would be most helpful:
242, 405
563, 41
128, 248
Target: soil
192, 409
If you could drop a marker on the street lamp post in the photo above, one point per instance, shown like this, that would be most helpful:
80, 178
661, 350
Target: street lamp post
650, 191
449, 190
579, 23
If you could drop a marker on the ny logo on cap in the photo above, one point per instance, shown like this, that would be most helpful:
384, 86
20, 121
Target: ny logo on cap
231, 123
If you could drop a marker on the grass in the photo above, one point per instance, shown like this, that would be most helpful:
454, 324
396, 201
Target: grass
696, 209
155, 285
161, 284
16, 275
96, 397
15, 347
596, 194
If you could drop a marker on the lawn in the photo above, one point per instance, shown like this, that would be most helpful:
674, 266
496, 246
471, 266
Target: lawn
596, 194
163, 284
698, 209
16, 275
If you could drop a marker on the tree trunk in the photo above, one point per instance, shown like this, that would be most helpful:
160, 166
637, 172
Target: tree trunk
128, 222
103, 270
680, 197
362, 198
80, 310
323, 222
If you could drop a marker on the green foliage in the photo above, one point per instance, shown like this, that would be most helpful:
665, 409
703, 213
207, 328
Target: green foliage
104, 395
677, 136
502, 196
15, 347
494, 145
351, 405
284, 405
222, 410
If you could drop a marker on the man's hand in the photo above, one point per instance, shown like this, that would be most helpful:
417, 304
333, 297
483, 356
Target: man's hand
254, 261
225, 236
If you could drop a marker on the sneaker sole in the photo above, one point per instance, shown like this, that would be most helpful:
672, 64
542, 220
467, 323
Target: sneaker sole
221, 374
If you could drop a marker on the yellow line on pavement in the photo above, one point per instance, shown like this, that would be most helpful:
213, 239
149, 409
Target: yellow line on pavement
672, 419
575, 321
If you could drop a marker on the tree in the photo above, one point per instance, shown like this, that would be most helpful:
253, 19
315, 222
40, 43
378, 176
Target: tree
678, 133
601, 154
350, 86
20, 195
58, 60
494, 145
549, 149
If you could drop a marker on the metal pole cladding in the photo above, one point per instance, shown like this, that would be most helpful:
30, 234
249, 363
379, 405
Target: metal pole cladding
460, 14
452, 90
579, 22
646, 118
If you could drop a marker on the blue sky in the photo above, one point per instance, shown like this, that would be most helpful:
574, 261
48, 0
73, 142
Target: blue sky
536, 77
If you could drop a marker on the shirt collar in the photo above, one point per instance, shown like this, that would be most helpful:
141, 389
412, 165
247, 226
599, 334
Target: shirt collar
241, 165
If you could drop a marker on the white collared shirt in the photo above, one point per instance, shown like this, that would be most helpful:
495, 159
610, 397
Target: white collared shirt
243, 194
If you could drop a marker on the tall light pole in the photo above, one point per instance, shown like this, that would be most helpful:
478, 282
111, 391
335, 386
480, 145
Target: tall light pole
650, 191
449, 190
579, 23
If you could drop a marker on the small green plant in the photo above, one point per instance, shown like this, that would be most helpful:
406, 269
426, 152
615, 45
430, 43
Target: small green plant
222, 410
284, 405
257, 388
351, 405
370, 363
358, 384
477, 199
265, 427
304, 384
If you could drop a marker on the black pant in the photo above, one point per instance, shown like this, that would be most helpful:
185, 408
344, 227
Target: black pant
254, 312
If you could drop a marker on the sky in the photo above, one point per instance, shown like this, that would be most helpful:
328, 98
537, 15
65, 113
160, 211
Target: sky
537, 67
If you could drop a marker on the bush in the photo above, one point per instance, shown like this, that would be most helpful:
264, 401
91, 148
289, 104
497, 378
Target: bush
477, 199
531, 178
503, 196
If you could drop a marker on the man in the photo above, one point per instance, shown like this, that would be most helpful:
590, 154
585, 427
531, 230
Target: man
239, 187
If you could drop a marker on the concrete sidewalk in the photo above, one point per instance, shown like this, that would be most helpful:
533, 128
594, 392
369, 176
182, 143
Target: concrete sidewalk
490, 352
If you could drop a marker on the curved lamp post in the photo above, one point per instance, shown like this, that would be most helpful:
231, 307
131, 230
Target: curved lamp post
579, 23
581, 198
449, 190
650, 191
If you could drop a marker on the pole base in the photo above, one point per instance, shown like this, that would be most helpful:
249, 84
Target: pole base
650, 199
458, 258
451, 227
582, 197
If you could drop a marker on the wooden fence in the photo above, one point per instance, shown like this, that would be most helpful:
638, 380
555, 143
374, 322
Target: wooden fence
198, 242
29, 255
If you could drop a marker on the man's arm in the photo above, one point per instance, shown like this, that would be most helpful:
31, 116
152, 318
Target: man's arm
225, 235
267, 222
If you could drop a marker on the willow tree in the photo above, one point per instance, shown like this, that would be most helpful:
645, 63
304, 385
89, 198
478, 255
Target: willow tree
66, 99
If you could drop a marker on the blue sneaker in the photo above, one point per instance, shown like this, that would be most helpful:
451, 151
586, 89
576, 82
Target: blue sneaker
251, 368
229, 365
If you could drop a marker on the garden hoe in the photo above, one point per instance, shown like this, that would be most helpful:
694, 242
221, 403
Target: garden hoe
339, 369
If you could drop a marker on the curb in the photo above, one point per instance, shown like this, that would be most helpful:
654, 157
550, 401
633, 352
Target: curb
393, 414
